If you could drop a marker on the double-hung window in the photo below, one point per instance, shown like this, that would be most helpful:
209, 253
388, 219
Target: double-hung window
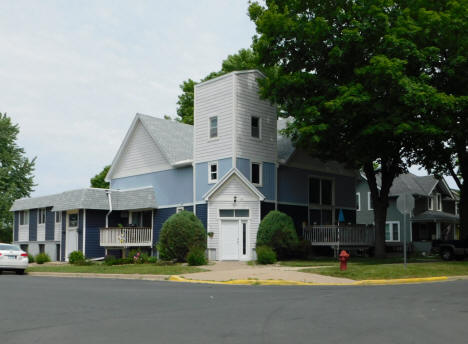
42, 216
213, 127
212, 172
255, 126
58, 217
24, 217
370, 203
256, 173
392, 231
430, 203
439, 202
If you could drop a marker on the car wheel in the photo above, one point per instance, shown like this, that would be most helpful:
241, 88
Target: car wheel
446, 254
19, 272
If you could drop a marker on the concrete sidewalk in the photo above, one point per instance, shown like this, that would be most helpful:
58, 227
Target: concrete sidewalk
226, 271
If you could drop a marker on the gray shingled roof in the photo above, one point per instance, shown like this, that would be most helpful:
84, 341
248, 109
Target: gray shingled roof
91, 199
412, 184
436, 216
34, 203
175, 139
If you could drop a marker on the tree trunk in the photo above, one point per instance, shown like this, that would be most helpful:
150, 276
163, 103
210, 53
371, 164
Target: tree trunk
463, 212
379, 196
380, 218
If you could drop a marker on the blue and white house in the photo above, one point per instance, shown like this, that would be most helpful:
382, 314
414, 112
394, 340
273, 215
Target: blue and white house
230, 168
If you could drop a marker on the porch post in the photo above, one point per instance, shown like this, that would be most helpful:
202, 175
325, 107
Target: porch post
437, 230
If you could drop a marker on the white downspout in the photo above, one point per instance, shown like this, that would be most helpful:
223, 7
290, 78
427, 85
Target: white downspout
109, 197
194, 189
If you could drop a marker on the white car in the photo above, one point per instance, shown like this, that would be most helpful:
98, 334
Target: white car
12, 258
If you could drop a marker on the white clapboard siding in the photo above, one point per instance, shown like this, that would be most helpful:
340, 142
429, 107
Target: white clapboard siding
249, 104
141, 155
58, 231
40, 232
223, 199
23, 233
214, 98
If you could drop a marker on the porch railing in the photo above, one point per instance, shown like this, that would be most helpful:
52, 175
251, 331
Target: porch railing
355, 235
126, 236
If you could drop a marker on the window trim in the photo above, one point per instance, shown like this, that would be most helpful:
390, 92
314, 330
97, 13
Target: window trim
439, 202
179, 209
260, 173
210, 180
40, 212
358, 208
60, 217
259, 127
430, 203
25, 218
209, 128
391, 223
369, 203
77, 219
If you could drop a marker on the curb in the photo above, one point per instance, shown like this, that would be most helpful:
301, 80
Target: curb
291, 283
145, 277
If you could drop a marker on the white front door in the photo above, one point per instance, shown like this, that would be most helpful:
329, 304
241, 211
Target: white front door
72, 234
229, 240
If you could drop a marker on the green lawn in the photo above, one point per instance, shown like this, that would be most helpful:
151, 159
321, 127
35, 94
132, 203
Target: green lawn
98, 268
374, 270
328, 261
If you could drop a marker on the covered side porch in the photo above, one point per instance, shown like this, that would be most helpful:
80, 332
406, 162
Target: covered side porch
433, 225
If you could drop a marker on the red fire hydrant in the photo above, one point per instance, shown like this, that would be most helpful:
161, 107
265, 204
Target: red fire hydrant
344, 256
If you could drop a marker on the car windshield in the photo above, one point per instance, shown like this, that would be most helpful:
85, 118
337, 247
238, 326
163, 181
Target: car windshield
9, 247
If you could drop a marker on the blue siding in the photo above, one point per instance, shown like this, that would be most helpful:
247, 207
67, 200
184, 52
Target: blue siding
50, 225
95, 219
224, 165
64, 235
80, 230
294, 186
16, 226
202, 213
33, 225
160, 216
268, 176
172, 186
243, 165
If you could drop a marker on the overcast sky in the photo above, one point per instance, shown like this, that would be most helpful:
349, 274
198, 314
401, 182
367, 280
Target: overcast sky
74, 73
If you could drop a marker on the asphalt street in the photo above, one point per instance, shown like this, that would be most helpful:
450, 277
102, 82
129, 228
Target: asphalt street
72, 310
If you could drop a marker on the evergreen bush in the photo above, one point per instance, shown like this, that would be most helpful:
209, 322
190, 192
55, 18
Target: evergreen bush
277, 231
179, 233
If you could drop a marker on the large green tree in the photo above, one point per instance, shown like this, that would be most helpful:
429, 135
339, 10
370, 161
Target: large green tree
98, 181
443, 34
16, 174
349, 74
243, 60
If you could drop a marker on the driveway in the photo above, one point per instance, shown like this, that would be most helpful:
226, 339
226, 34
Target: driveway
65, 310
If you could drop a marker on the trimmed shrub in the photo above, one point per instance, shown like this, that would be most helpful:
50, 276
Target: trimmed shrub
179, 233
76, 257
277, 231
265, 255
196, 256
152, 260
30, 258
42, 258
304, 250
